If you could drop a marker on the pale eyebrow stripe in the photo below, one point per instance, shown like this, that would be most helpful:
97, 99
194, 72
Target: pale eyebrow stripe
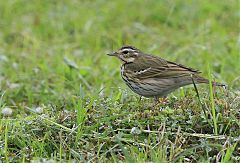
129, 49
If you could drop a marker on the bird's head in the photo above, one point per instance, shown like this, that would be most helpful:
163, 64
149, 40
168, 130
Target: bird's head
126, 54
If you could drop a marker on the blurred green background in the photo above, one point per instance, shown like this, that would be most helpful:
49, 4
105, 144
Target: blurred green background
52, 52
37, 35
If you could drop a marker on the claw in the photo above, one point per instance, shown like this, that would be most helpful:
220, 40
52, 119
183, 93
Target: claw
162, 100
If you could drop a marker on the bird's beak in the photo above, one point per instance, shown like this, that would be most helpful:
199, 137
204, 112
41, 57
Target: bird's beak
113, 54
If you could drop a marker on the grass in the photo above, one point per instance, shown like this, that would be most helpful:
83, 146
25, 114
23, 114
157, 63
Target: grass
212, 103
70, 103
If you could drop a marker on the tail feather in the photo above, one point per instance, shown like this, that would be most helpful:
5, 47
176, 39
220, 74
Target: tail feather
199, 79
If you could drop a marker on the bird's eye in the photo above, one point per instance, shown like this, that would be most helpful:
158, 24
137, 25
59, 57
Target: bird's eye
125, 52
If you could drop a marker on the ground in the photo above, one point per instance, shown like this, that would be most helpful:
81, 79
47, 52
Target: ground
62, 98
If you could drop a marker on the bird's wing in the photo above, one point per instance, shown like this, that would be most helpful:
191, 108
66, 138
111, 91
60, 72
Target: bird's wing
154, 67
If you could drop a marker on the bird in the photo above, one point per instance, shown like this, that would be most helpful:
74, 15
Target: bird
151, 76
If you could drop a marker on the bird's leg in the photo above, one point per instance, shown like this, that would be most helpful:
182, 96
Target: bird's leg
140, 98
155, 103
156, 100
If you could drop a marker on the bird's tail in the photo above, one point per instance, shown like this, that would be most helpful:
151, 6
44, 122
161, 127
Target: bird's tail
198, 80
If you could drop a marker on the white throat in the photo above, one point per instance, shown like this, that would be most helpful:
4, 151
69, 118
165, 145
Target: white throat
127, 60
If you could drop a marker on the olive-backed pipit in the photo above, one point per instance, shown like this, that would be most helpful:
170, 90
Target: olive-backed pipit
152, 76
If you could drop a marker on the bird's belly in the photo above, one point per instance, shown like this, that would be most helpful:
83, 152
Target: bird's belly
149, 90
152, 88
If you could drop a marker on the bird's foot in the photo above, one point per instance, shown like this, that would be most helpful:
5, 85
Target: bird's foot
160, 101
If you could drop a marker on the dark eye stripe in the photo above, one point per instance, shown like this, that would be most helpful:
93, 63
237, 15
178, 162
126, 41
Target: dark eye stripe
125, 51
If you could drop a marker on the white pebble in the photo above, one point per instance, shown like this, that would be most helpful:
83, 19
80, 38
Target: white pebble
135, 131
39, 109
6, 111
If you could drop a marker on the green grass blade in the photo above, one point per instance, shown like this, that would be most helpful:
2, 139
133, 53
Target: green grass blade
212, 102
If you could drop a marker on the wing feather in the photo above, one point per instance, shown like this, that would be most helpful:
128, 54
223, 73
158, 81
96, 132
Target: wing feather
155, 67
